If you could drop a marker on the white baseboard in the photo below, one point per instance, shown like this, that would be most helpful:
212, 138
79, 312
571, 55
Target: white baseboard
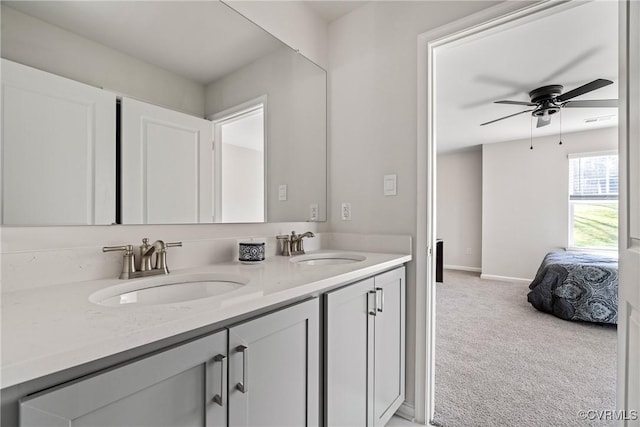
462, 268
505, 278
406, 411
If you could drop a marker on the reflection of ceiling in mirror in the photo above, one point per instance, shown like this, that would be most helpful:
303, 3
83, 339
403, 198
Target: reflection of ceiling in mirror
200, 40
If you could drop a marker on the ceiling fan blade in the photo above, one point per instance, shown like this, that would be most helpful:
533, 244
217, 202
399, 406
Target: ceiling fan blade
594, 103
528, 104
542, 122
591, 86
505, 117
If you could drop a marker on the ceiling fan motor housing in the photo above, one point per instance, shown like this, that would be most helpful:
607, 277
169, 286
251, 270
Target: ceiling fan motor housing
545, 93
545, 98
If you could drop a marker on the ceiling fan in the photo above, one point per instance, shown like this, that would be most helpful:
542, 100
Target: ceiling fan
548, 100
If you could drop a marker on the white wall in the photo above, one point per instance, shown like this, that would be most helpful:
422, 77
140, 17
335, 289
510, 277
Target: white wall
290, 21
459, 207
373, 121
242, 184
89, 62
525, 199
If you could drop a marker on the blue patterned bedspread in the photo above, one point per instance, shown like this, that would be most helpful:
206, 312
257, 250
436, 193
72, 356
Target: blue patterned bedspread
577, 286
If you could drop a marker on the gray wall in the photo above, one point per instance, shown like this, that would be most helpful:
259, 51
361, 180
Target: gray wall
459, 208
69, 55
525, 199
373, 122
295, 117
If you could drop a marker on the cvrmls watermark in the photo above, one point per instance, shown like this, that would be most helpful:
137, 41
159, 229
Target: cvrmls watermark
608, 415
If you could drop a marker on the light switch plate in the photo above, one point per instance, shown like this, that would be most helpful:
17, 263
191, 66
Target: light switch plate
390, 185
282, 192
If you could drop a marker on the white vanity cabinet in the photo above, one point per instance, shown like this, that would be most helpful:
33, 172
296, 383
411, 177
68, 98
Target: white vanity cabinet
364, 351
273, 379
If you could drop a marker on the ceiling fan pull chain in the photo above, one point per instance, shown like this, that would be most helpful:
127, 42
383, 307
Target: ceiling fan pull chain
531, 139
560, 143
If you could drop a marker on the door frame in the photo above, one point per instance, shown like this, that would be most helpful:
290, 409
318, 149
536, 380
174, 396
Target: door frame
228, 115
493, 19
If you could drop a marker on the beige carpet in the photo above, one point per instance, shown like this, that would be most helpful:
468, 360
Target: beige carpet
500, 362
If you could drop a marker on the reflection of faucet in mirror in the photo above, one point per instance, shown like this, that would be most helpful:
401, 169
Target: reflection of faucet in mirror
146, 251
297, 246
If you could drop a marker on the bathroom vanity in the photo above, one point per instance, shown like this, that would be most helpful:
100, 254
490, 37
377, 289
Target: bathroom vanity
310, 340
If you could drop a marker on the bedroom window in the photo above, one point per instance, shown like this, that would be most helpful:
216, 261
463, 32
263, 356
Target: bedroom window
593, 201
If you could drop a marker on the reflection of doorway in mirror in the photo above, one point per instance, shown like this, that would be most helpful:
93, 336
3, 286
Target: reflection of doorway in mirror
239, 171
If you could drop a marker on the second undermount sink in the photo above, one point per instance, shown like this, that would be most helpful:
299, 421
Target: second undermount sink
168, 289
328, 258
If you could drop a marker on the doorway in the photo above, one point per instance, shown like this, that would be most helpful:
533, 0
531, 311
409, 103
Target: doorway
491, 20
239, 163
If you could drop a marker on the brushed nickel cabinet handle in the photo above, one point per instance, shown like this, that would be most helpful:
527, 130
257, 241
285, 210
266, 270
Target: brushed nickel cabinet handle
381, 299
219, 398
375, 307
244, 385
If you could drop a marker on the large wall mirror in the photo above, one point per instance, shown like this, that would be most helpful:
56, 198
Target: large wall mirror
156, 112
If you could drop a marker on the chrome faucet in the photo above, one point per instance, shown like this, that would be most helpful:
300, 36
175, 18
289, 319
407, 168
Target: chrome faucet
146, 251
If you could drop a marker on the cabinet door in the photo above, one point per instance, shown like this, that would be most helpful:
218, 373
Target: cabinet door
167, 166
349, 355
177, 387
389, 345
274, 369
58, 150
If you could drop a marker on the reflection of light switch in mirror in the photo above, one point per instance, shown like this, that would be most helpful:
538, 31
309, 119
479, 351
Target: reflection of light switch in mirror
282, 192
313, 212
390, 185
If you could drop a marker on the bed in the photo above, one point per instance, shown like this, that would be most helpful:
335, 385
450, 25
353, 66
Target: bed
577, 286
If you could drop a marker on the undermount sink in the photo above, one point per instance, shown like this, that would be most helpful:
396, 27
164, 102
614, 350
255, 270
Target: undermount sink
168, 289
328, 258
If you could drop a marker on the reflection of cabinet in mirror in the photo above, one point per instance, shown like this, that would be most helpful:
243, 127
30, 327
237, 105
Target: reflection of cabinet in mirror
166, 166
49, 121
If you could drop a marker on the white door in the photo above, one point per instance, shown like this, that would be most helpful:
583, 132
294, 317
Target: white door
58, 150
629, 287
166, 166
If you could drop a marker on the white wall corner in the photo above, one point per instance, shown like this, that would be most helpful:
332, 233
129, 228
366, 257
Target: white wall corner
292, 22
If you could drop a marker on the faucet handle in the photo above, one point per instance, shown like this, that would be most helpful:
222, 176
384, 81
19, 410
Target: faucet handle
127, 248
161, 255
284, 244
128, 261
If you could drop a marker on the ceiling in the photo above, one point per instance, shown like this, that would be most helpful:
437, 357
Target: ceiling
333, 9
570, 48
191, 46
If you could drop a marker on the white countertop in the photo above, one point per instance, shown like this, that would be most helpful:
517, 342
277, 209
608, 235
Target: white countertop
49, 329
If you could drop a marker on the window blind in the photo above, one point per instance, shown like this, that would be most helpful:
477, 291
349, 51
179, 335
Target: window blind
593, 177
